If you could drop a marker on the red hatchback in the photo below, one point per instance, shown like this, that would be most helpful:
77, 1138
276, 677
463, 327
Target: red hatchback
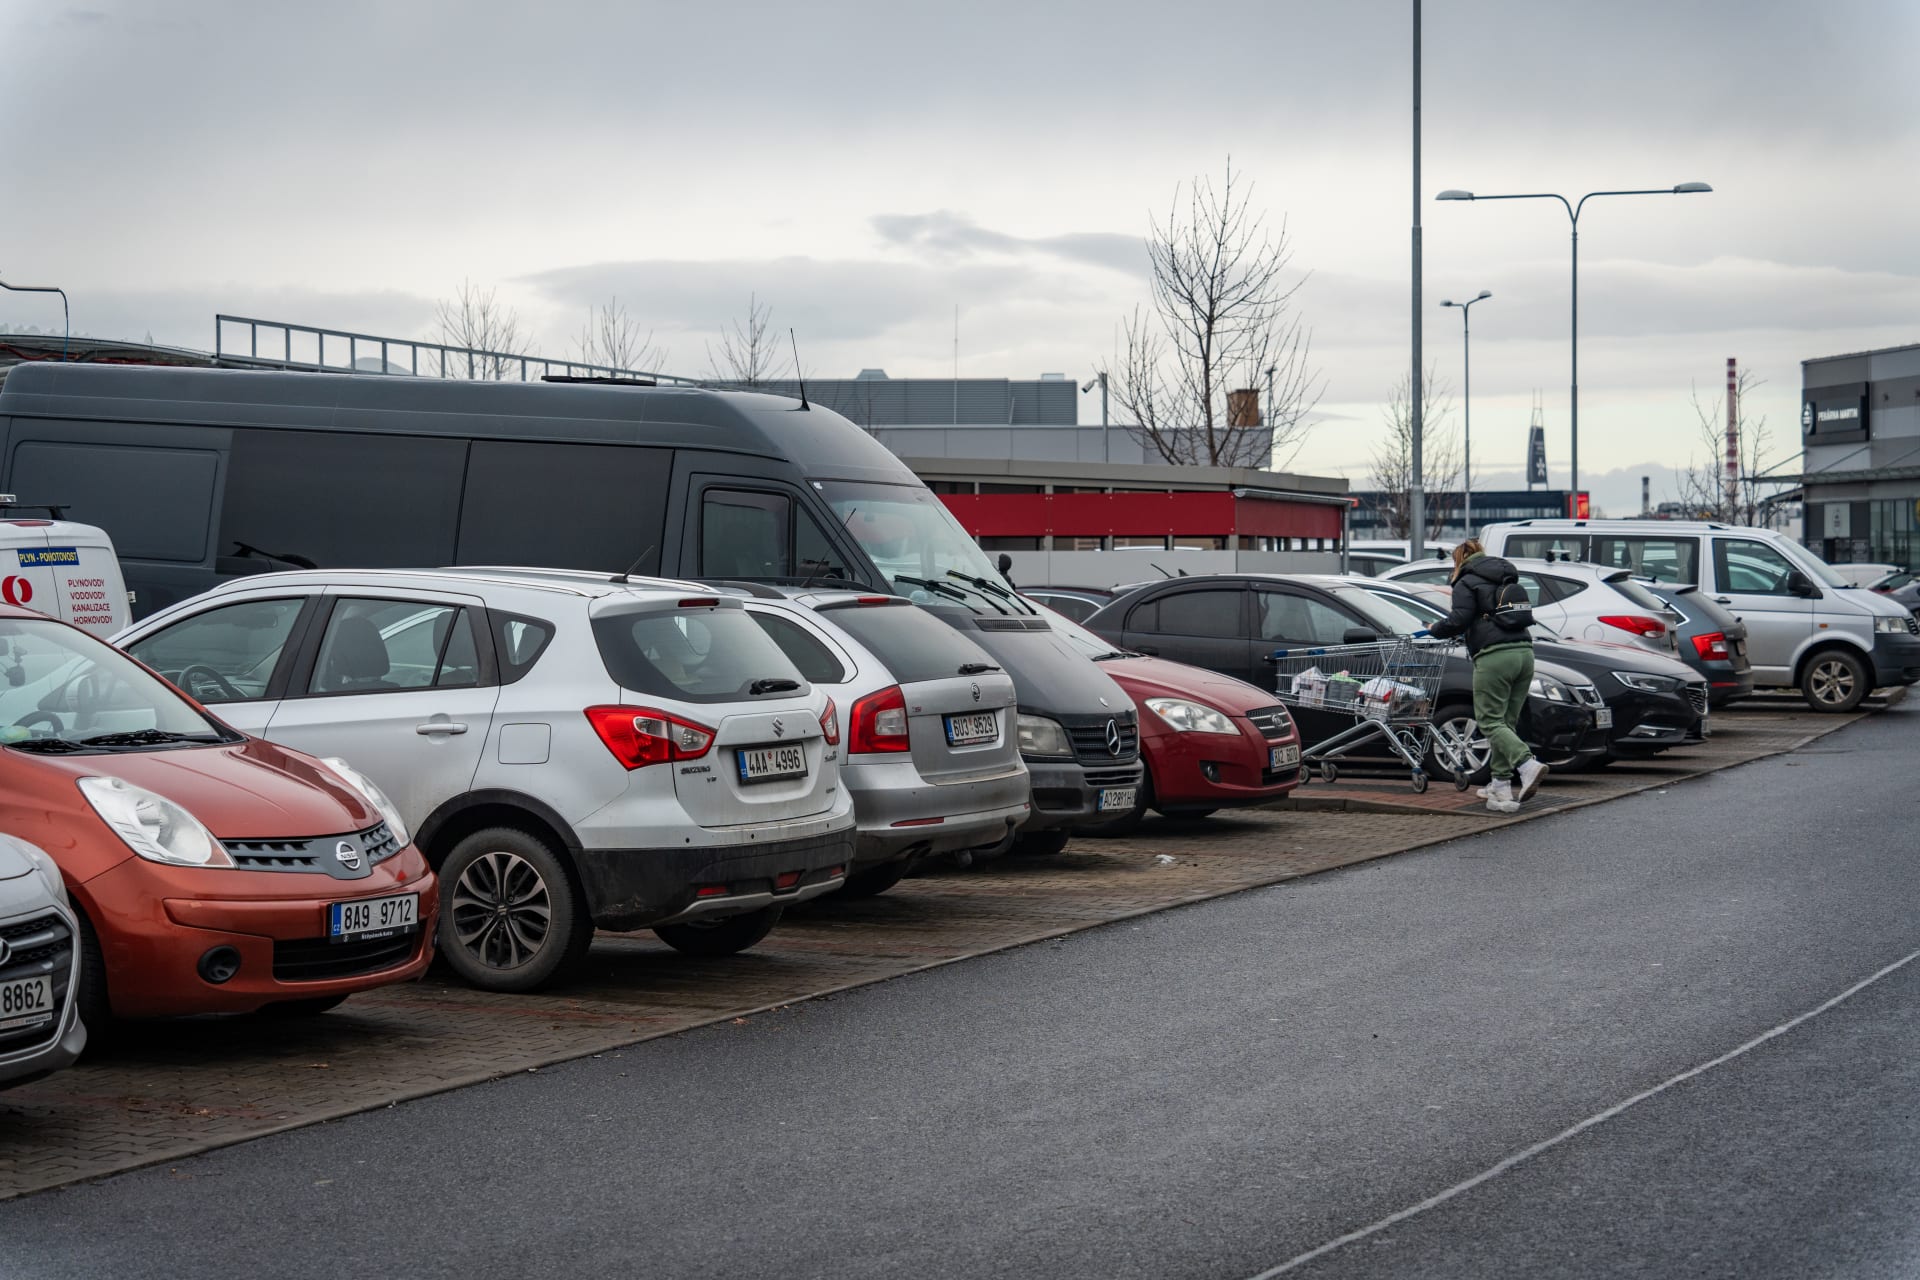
210, 872
1208, 741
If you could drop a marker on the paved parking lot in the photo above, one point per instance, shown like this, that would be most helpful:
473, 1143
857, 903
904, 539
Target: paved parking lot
177, 1088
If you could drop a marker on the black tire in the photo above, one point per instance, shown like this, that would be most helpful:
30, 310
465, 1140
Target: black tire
518, 951
96, 1010
1835, 681
303, 1008
871, 882
1449, 721
720, 937
1039, 844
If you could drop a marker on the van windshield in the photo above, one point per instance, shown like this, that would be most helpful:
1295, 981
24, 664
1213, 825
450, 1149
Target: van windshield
914, 540
1819, 570
62, 691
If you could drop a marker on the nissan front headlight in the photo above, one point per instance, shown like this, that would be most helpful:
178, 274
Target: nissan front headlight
153, 826
370, 791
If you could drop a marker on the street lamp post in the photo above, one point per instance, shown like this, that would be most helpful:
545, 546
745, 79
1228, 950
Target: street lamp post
1466, 359
1573, 217
66, 315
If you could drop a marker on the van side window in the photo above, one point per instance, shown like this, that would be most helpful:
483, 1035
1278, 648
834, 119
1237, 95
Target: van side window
745, 535
339, 498
564, 506
153, 503
1671, 559
1754, 568
223, 655
813, 553
1546, 546
382, 646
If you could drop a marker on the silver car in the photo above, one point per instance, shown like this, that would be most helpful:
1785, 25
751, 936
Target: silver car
40, 1028
932, 760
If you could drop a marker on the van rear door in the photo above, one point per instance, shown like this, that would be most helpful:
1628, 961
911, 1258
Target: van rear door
66, 571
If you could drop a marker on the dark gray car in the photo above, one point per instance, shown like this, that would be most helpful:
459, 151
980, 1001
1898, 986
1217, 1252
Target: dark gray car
1712, 641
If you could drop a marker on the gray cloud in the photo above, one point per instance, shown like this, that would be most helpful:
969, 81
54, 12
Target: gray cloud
945, 234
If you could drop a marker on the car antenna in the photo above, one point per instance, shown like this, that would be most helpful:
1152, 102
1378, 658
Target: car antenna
1163, 572
628, 575
798, 373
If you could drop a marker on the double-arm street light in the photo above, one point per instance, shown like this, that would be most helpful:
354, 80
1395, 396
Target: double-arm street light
1573, 216
1466, 357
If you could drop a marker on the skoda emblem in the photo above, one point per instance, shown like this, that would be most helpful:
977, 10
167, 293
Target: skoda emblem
976, 691
779, 728
6, 952
347, 855
1113, 738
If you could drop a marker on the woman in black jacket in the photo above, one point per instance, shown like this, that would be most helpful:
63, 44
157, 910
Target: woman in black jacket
1502, 652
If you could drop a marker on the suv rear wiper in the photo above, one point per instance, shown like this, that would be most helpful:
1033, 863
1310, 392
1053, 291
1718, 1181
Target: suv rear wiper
146, 738
772, 684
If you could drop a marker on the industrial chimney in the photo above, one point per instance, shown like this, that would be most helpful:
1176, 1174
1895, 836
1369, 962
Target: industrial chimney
1646, 495
1733, 442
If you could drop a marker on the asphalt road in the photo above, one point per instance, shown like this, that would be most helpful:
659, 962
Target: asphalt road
1212, 1091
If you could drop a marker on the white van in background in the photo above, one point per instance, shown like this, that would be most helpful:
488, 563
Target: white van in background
65, 570
1808, 628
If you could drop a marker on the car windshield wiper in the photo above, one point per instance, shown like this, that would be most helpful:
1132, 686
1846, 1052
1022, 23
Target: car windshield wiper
964, 587
146, 738
987, 584
938, 588
772, 684
54, 745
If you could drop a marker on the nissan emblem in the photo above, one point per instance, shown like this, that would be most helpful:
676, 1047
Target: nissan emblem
347, 855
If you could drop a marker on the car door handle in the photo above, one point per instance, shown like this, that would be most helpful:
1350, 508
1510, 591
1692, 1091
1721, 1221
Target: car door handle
1723, 600
435, 727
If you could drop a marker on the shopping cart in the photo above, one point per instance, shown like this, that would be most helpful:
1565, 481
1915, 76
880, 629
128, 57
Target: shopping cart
1387, 688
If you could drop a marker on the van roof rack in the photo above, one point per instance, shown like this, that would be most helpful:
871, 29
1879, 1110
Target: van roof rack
55, 510
600, 381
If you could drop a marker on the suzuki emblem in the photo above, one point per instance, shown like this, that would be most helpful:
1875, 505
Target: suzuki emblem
347, 855
779, 729
1113, 738
976, 691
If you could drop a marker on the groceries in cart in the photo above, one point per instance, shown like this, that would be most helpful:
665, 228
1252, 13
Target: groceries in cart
1384, 698
1386, 688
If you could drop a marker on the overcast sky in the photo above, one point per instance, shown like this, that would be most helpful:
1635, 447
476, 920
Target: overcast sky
866, 168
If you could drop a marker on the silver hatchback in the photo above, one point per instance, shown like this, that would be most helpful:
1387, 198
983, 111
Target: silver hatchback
933, 763
40, 1028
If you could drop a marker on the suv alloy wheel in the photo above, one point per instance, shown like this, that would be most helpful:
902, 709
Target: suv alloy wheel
511, 920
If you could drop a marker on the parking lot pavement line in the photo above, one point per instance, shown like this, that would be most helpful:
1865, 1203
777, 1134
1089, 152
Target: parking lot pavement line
1572, 1131
190, 1087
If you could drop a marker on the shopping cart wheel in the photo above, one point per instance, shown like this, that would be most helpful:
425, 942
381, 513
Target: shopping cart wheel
1419, 782
1329, 771
1461, 783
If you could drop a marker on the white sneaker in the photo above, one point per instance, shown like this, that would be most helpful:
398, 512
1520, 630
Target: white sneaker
1500, 797
1530, 773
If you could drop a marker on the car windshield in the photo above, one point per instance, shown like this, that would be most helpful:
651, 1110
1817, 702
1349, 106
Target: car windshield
1081, 638
1389, 613
911, 537
61, 690
699, 654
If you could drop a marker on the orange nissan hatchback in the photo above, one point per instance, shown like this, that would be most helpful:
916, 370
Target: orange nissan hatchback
211, 872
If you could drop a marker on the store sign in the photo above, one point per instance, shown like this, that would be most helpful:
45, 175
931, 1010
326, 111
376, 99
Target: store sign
1836, 413
1837, 520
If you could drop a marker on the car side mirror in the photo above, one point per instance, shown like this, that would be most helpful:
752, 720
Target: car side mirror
1801, 585
1360, 635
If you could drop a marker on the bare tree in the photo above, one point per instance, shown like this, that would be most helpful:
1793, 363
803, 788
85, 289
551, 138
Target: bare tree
1391, 472
1701, 486
477, 320
1221, 320
752, 353
612, 338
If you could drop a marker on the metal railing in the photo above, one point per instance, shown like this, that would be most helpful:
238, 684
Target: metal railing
402, 357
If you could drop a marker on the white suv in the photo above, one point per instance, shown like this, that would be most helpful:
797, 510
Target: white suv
627, 753
1577, 601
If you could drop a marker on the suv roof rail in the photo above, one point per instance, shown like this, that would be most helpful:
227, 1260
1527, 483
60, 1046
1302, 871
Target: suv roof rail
56, 510
600, 380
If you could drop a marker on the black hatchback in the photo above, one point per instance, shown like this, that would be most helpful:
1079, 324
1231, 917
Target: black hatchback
1712, 641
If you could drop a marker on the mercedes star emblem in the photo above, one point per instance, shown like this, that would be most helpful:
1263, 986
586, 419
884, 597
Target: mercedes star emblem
1113, 738
348, 856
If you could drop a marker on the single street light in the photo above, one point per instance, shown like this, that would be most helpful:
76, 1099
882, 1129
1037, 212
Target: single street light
66, 315
1466, 357
1573, 216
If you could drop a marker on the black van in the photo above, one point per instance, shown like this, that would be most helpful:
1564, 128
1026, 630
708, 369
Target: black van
200, 475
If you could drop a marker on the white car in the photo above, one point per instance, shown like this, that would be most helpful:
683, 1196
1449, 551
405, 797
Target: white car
40, 1027
626, 753
60, 568
1578, 601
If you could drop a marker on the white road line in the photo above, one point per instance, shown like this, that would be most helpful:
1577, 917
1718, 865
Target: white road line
1520, 1157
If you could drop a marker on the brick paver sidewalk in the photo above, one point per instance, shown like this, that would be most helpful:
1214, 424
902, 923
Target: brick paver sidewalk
177, 1088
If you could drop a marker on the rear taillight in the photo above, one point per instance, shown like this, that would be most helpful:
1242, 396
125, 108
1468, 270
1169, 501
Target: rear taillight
1712, 647
879, 723
1639, 624
830, 723
640, 736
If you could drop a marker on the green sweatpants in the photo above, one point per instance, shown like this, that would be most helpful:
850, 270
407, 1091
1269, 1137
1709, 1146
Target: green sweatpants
1501, 678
